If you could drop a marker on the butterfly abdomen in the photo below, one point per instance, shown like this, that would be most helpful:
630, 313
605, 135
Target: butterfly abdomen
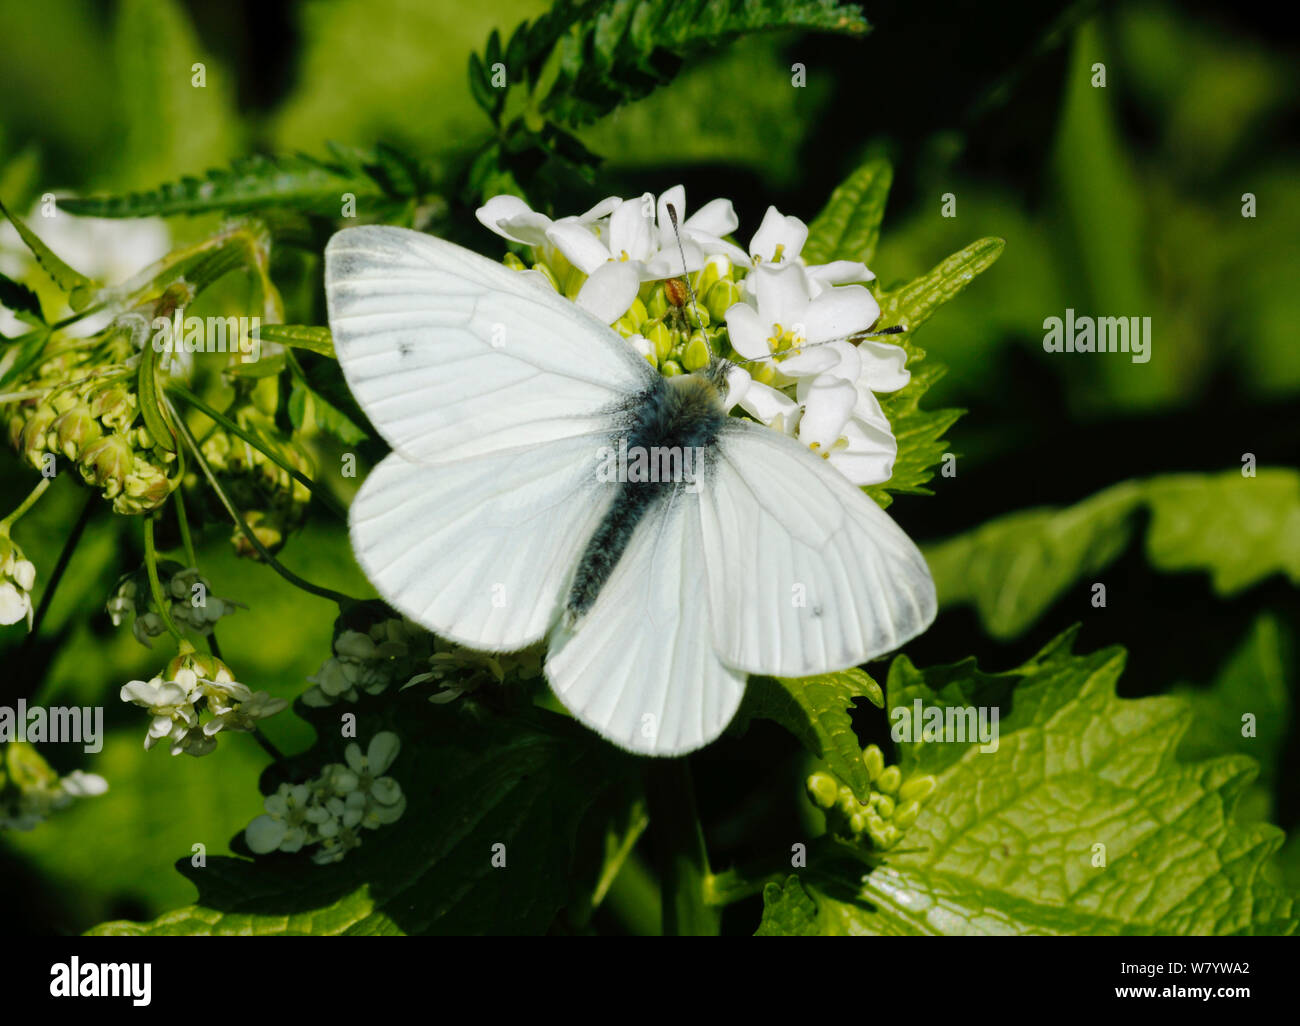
665, 445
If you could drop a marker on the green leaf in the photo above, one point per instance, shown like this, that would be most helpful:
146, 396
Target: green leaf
816, 711
1008, 842
1252, 684
380, 182
913, 304
303, 400
472, 780
1013, 568
75, 284
788, 911
24, 303
580, 61
920, 433
150, 402
848, 227
300, 336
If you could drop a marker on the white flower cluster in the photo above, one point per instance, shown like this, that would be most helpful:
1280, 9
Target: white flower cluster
398, 651
17, 577
332, 808
190, 684
189, 596
30, 791
790, 326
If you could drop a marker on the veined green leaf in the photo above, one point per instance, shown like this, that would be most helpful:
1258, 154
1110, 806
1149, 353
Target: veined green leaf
1082, 821
848, 227
816, 711
1013, 568
913, 304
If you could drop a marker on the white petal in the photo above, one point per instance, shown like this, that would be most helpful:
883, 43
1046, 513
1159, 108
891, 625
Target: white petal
778, 230
811, 360
579, 246
782, 293
264, 834
767, 404
717, 217
676, 198
738, 383
610, 290
383, 749
512, 218
839, 272
883, 366
747, 332
827, 409
839, 312
631, 231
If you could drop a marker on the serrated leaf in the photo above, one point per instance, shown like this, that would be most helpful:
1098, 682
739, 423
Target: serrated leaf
848, 227
913, 304
1013, 568
589, 58
788, 911
472, 780
1008, 841
75, 284
22, 301
816, 711
303, 183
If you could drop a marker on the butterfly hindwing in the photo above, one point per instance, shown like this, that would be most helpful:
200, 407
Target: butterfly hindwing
806, 574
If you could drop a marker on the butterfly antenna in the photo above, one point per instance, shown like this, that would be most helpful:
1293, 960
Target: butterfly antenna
857, 336
686, 277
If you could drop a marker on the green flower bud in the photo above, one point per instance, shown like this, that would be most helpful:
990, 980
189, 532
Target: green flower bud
822, 789
670, 368
716, 269
884, 805
889, 779
106, 463
114, 406
697, 355
720, 298
858, 822
72, 430
918, 788
874, 759
906, 815
512, 261
661, 338
31, 443
657, 305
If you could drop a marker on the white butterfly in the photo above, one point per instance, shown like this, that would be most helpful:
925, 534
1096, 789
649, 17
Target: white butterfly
490, 525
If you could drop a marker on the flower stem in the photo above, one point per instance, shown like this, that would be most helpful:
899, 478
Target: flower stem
220, 418
155, 585
682, 859
183, 523
326, 593
27, 504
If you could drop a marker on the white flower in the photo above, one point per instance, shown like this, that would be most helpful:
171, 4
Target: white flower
634, 247
779, 239
380, 754
244, 715
17, 578
285, 823
787, 323
513, 219
765, 404
842, 420
169, 702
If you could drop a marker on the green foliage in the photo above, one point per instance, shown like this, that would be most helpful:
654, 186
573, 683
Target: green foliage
473, 780
581, 60
816, 711
848, 227
73, 283
384, 181
1008, 843
1013, 568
